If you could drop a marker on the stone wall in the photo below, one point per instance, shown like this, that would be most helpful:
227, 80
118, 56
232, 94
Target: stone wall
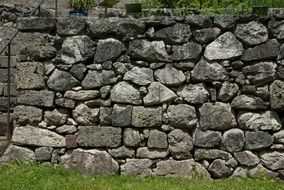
158, 96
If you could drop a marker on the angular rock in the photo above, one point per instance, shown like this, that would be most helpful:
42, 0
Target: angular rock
193, 93
36, 52
260, 170
211, 154
219, 169
234, 140
180, 144
95, 79
176, 34
77, 49
249, 102
125, 93
206, 138
105, 116
22, 154
225, 46
78, 71
258, 140
281, 56
227, 91
108, 50
132, 137
66, 129
96, 136
157, 139
240, 172
65, 103
226, 21
122, 152
276, 29
91, 162
146, 116
70, 25
201, 21
169, 76
40, 137
43, 153
277, 95
208, 72
273, 160
252, 33
137, 167
216, 116
119, 68
145, 152
84, 115
185, 66
279, 137
206, 35
36, 24
158, 94
246, 158
143, 50
182, 116
42, 98
139, 76
266, 121
82, 95
24, 115
268, 50
189, 51
55, 117
121, 115
61, 81
30, 75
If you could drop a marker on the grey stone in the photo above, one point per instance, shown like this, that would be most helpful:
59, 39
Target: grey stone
201, 21
249, 102
122, 152
78, 71
98, 103
206, 35
120, 68
273, 160
208, 72
252, 33
263, 92
137, 167
22, 154
55, 117
277, 95
176, 34
105, 91
258, 140
43, 153
169, 76
216, 116
139, 76
108, 50
182, 116
70, 25
193, 93
260, 73
146, 117
145, 152
279, 136
211, 154
66, 129
260, 170
125, 93
40, 137
158, 94
265, 121
96, 136
36, 52
36, 24
246, 158
105, 116
24, 115
65, 103
225, 46
276, 29
121, 115
95, 79
42, 98
234, 140
30, 75
157, 139
268, 50
154, 51
77, 49
180, 144
61, 81
219, 169
228, 91
85, 115
91, 162
226, 21
240, 172
189, 51
132, 138
206, 138
281, 53
82, 95
186, 65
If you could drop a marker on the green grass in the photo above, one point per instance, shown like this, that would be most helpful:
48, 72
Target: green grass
37, 177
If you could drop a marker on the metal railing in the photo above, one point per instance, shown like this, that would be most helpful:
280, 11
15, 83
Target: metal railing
8, 53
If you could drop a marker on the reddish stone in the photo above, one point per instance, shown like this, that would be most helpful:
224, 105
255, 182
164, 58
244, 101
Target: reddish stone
71, 141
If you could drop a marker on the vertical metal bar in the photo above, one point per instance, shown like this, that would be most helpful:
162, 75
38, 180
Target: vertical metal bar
9, 130
56, 8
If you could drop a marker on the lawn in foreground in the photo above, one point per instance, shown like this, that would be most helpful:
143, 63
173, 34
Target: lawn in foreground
37, 177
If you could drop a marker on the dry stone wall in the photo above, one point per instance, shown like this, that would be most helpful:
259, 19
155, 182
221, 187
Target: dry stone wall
158, 96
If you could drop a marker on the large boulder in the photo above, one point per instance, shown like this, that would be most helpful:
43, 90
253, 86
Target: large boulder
258, 140
249, 102
189, 51
277, 95
146, 116
91, 162
137, 167
273, 160
225, 46
125, 93
169, 76
96, 79
193, 93
234, 140
61, 81
207, 138
139, 76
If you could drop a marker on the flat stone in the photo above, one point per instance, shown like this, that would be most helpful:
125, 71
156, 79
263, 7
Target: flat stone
145, 152
40, 137
246, 158
193, 93
24, 115
258, 140
211, 154
201, 21
42, 98
206, 35
65, 103
122, 152
132, 138
95, 79
207, 138
139, 76
137, 167
273, 160
55, 117
95, 136
169, 76
277, 95
190, 51
82, 95
219, 169
70, 25
66, 129
249, 102
228, 91
125, 93
84, 115
146, 116
234, 140
36, 24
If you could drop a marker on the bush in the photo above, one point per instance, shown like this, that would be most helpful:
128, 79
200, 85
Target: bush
81, 5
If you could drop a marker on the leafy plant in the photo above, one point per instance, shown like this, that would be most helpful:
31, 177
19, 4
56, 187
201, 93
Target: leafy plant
81, 5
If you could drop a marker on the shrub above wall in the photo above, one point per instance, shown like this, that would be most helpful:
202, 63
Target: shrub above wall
158, 96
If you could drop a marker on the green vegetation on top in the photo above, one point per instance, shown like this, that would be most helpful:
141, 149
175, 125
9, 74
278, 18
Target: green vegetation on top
40, 177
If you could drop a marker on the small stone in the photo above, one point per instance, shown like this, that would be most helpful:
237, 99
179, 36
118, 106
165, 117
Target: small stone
22, 154
71, 141
69, 129
277, 95
78, 71
85, 115
65, 103
132, 138
42, 98
55, 117
70, 25
139, 76
61, 81
169, 76
145, 152
260, 170
125, 93
228, 91
157, 139
105, 91
276, 29
137, 167
122, 152
105, 116
279, 136
201, 21
193, 93
120, 68
211, 154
